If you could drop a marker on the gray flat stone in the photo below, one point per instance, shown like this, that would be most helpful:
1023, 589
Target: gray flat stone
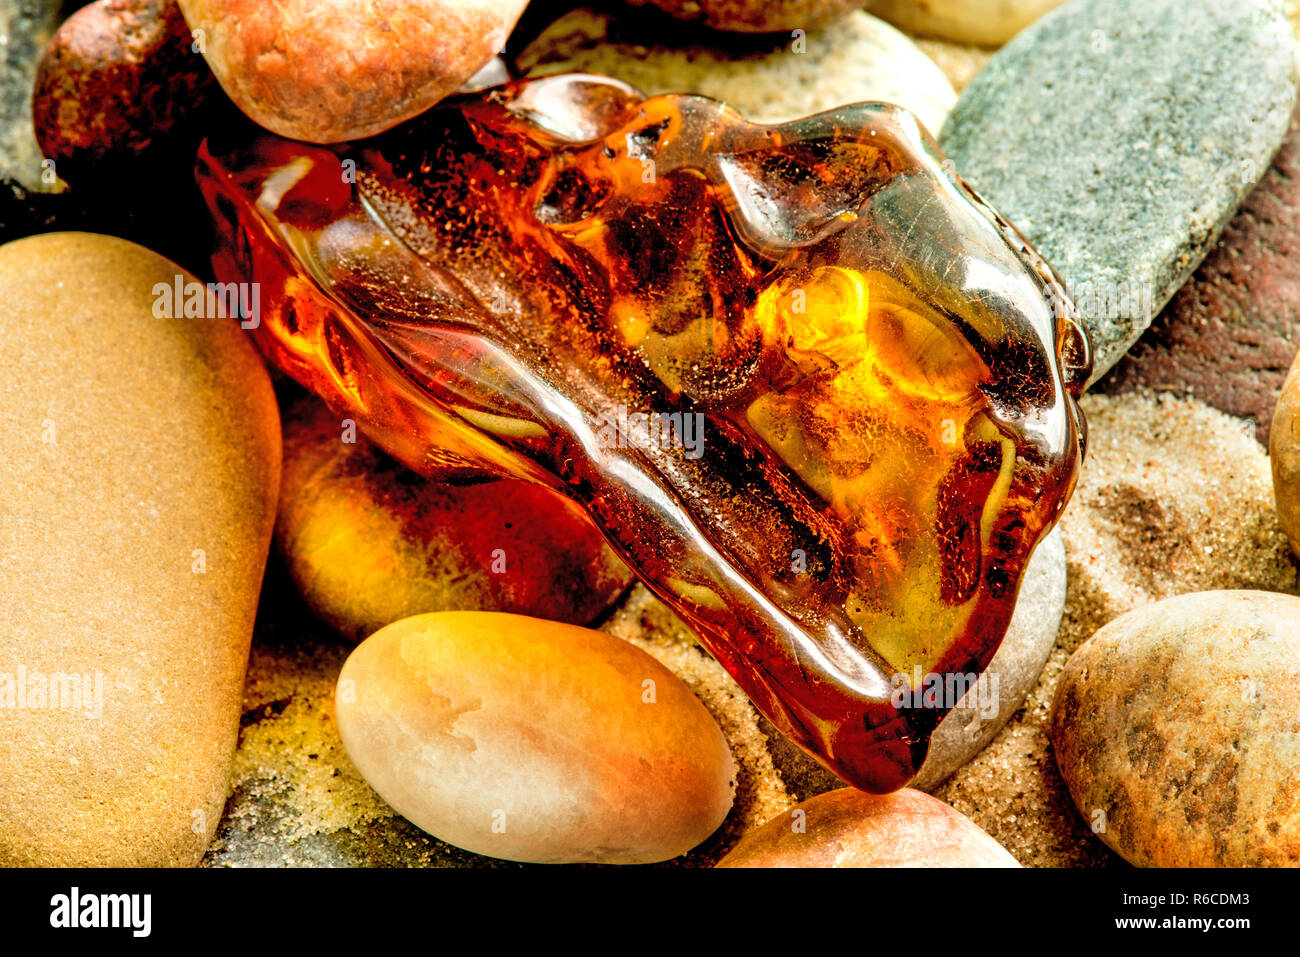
1121, 135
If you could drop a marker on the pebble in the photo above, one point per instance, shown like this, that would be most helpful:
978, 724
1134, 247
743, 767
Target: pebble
119, 77
534, 741
850, 828
1228, 336
141, 459
1177, 729
1284, 456
769, 80
1121, 138
332, 70
755, 16
983, 22
369, 542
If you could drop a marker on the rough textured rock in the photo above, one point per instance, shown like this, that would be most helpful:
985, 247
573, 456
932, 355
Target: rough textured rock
1177, 729
965, 731
755, 16
368, 542
330, 70
850, 828
1228, 336
986, 22
533, 741
118, 77
142, 461
770, 80
1121, 138
1174, 497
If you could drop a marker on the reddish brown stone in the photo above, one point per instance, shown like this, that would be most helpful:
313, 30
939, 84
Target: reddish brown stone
118, 75
1229, 335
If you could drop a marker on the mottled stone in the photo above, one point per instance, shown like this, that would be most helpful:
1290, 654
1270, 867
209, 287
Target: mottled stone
1121, 138
141, 457
533, 741
770, 80
1228, 336
755, 16
332, 70
119, 77
1177, 729
985, 22
850, 828
369, 542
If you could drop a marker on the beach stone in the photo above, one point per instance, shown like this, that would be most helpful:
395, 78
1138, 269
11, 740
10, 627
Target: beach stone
368, 542
1229, 334
768, 79
1284, 456
297, 800
332, 70
850, 828
534, 741
118, 77
755, 16
983, 22
1012, 673
1177, 729
142, 458
1120, 138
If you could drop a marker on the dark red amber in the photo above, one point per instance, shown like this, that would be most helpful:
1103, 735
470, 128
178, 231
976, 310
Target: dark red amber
811, 387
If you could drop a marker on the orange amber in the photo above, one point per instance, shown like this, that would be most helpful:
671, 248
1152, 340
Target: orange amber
813, 389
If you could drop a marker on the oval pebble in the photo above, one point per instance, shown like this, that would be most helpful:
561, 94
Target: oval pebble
850, 828
1177, 729
533, 741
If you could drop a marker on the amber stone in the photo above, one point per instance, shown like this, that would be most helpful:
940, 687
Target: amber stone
815, 392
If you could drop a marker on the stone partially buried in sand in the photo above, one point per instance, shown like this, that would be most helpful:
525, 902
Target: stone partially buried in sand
1177, 729
332, 70
141, 459
850, 828
768, 79
368, 542
1120, 138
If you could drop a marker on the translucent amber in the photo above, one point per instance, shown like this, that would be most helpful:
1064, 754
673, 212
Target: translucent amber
814, 390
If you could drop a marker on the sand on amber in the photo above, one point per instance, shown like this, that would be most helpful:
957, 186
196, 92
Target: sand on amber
555, 279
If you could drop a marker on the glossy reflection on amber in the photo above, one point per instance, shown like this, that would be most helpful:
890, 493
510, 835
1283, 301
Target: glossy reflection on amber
813, 389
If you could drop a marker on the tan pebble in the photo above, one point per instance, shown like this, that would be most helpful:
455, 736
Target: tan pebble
141, 460
533, 741
850, 828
